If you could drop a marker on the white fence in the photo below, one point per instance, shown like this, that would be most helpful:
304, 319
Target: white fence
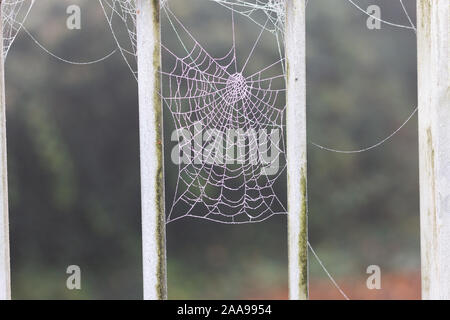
434, 139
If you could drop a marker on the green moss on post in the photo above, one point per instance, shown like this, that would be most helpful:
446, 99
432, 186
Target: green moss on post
151, 150
296, 149
303, 239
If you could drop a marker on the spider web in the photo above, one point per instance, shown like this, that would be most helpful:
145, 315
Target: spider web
14, 13
229, 104
228, 118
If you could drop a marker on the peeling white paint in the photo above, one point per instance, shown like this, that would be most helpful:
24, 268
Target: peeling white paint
434, 145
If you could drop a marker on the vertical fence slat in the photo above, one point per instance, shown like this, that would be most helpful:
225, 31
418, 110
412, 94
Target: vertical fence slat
296, 149
5, 283
151, 153
434, 146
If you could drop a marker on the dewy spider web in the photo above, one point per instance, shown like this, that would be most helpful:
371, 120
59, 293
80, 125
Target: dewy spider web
227, 117
14, 13
215, 101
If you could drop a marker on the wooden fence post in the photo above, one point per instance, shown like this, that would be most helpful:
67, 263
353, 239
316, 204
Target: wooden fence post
434, 146
296, 149
5, 282
151, 152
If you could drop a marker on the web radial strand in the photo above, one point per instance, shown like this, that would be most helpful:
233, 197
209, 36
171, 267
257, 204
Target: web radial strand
121, 18
14, 14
